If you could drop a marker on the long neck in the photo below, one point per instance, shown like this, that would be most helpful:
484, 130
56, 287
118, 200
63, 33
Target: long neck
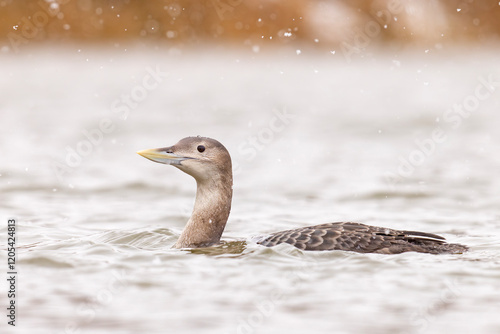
210, 213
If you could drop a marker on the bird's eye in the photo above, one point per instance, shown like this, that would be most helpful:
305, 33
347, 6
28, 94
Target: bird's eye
200, 148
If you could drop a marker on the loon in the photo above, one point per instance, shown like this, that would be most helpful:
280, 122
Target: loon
209, 163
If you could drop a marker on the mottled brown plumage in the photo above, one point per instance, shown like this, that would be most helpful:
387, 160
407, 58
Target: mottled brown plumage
361, 238
209, 163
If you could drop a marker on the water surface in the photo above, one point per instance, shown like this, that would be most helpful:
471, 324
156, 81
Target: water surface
313, 140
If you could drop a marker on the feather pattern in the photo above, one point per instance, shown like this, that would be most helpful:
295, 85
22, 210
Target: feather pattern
361, 238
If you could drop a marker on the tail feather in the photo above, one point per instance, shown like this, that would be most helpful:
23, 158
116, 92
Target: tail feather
423, 234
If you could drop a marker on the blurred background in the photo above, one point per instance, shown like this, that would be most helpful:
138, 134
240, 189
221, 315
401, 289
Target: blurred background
326, 25
381, 112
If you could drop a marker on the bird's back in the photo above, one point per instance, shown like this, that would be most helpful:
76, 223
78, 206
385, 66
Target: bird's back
361, 238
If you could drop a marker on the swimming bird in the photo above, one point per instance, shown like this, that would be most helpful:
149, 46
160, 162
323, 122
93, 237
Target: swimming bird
209, 162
